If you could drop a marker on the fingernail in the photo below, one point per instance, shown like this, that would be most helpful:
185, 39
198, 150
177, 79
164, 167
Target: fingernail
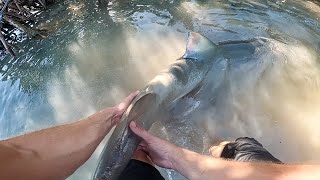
133, 124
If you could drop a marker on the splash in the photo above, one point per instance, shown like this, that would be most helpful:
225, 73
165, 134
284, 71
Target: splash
273, 96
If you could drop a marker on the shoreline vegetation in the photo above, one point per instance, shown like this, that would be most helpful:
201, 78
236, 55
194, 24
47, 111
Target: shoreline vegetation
19, 19
20, 14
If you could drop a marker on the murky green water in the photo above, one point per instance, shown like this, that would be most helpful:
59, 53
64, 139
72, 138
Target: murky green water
267, 89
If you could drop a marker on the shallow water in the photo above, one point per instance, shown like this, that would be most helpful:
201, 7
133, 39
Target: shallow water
267, 89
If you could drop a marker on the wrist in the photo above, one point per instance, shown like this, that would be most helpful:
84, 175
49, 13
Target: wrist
176, 157
188, 163
103, 120
181, 160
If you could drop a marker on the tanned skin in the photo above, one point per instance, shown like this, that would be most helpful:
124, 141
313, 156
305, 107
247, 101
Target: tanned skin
195, 166
55, 153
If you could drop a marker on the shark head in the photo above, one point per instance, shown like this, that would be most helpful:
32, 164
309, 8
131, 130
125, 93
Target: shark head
199, 48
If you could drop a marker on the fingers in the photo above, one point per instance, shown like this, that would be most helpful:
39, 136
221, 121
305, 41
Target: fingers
143, 146
125, 103
119, 110
216, 150
141, 155
139, 131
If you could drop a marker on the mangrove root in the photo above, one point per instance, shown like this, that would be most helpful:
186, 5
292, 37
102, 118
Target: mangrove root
16, 14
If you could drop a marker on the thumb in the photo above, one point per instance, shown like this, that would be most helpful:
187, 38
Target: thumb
139, 131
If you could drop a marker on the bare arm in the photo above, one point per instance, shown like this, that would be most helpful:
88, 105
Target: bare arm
195, 166
55, 153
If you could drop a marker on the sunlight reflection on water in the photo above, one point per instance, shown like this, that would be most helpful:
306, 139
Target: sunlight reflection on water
267, 90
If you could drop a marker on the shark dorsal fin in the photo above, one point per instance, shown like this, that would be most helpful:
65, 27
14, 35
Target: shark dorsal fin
198, 46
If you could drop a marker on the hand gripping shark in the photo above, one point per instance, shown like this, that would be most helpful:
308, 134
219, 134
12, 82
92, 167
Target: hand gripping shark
182, 77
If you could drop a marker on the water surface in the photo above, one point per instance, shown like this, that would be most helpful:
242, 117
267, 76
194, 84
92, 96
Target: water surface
98, 53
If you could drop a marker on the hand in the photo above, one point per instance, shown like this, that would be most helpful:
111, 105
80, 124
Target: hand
160, 151
109, 117
216, 150
122, 107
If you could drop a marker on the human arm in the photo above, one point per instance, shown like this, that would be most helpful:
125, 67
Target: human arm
55, 153
195, 166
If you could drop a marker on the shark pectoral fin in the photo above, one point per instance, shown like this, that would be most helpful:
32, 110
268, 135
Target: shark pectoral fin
143, 104
184, 107
199, 47
195, 91
233, 42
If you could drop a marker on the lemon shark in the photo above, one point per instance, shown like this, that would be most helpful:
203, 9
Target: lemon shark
182, 77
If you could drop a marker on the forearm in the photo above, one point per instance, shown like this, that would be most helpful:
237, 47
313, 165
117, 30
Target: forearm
195, 166
55, 153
